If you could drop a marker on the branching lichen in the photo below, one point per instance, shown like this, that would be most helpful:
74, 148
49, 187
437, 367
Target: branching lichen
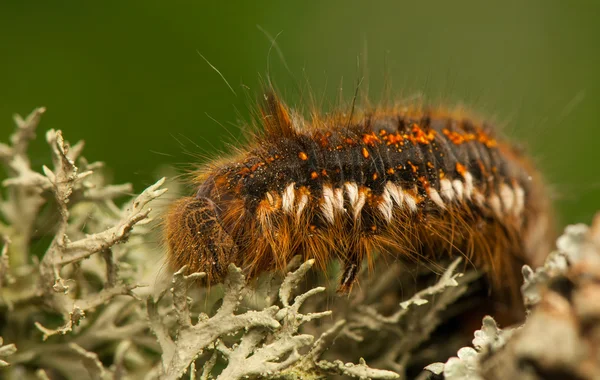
71, 204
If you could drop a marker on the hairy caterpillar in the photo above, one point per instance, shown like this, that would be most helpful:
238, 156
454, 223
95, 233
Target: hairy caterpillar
403, 181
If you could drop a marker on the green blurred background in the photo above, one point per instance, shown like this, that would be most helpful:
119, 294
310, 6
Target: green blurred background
126, 77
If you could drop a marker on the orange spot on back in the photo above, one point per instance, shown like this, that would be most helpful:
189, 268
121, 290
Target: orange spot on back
370, 139
365, 152
393, 139
454, 137
420, 136
486, 140
461, 138
413, 167
323, 139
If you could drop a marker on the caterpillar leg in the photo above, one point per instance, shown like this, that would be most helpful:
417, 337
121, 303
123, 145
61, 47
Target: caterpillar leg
352, 263
348, 277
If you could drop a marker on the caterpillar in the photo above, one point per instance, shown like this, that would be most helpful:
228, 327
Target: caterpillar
403, 181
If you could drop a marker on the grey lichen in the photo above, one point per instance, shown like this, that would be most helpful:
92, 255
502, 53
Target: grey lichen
75, 286
465, 365
271, 341
562, 330
82, 295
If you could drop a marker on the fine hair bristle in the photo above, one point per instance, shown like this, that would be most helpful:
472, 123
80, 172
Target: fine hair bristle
406, 181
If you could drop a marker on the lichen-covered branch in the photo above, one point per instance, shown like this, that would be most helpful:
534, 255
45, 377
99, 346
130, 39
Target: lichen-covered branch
38, 283
191, 339
271, 341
